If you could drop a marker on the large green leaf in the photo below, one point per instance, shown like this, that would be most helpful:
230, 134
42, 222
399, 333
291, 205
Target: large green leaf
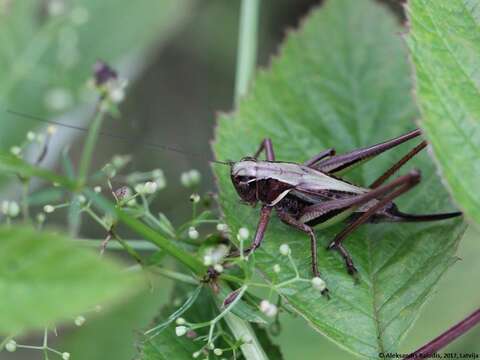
45, 278
444, 41
343, 81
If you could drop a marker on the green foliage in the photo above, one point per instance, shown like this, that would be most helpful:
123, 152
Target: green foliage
343, 81
446, 53
40, 52
46, 278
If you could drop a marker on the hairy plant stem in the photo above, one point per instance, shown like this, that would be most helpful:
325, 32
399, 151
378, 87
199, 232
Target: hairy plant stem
447, 337
247, 47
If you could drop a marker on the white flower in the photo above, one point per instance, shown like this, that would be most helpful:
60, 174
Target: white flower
161, 182
31, 136
215, 254
318, 283
13, 209
11, 346
193, 233
41, 217
80, 320
140, 188
150, 187
207, 260
276, 268
65, 356
181, 330
285, 250
246, 339
195, 198
222, 227
268, 308
5, 206
196, 354
218, 352
218, 268
180, 321
97, 189
49, 209
82, 199
243, 234
190, 178
16, 150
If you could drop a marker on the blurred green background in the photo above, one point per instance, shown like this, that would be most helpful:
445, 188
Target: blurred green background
179, 56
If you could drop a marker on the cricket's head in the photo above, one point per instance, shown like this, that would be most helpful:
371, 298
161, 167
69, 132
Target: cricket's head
244, 178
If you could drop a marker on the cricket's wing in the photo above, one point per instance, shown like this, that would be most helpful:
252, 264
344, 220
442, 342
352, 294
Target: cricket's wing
344, 162
299, 177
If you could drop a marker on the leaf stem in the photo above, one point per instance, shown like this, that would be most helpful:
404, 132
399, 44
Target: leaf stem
92, 137
447, 337
247, 47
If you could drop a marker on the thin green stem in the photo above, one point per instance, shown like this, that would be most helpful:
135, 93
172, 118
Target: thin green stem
139, 245
25, 208
247, 47
92, 137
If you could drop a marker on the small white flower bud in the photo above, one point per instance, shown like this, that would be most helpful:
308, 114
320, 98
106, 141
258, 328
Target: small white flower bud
195, 198
5, 207
268, 308
190, 178
285, 250
222, 227
82, 199
97, 189
140, 188
11, 346
180, 321
150, 187
80, 320
65, 356
196, 354
276, 268
31, 136
211, 346
16, 150
218, 268
218, 352
318, 283
193, 233
41, 217
243, 234
49, 209
13, 209
207, 260
181, 330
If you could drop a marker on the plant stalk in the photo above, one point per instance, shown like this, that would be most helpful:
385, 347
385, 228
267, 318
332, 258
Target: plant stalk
447, 337
247, 47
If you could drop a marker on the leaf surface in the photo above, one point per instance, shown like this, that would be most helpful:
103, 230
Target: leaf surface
342, 81
45, 278
445, 44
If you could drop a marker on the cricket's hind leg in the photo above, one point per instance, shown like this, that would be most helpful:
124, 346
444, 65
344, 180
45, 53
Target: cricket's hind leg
396, 215
386, 194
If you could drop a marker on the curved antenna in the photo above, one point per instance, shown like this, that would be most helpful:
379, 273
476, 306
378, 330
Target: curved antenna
114, 136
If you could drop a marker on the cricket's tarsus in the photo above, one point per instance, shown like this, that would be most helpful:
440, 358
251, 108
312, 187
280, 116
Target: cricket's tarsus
312, 194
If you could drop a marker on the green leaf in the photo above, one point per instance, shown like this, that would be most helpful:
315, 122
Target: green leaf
45, 278
343, 81
446, 53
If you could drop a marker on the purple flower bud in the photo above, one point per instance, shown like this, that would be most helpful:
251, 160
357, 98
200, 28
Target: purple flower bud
103, 73
230, 297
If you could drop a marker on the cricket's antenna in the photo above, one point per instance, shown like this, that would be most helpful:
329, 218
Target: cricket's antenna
114, 136
228, 162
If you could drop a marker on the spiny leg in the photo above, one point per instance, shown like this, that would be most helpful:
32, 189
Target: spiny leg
402, 185
267, 146
387, 174
290, 220
320, 156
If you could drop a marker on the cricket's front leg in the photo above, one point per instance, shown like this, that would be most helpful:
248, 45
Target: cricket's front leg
290, 220
259, 233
